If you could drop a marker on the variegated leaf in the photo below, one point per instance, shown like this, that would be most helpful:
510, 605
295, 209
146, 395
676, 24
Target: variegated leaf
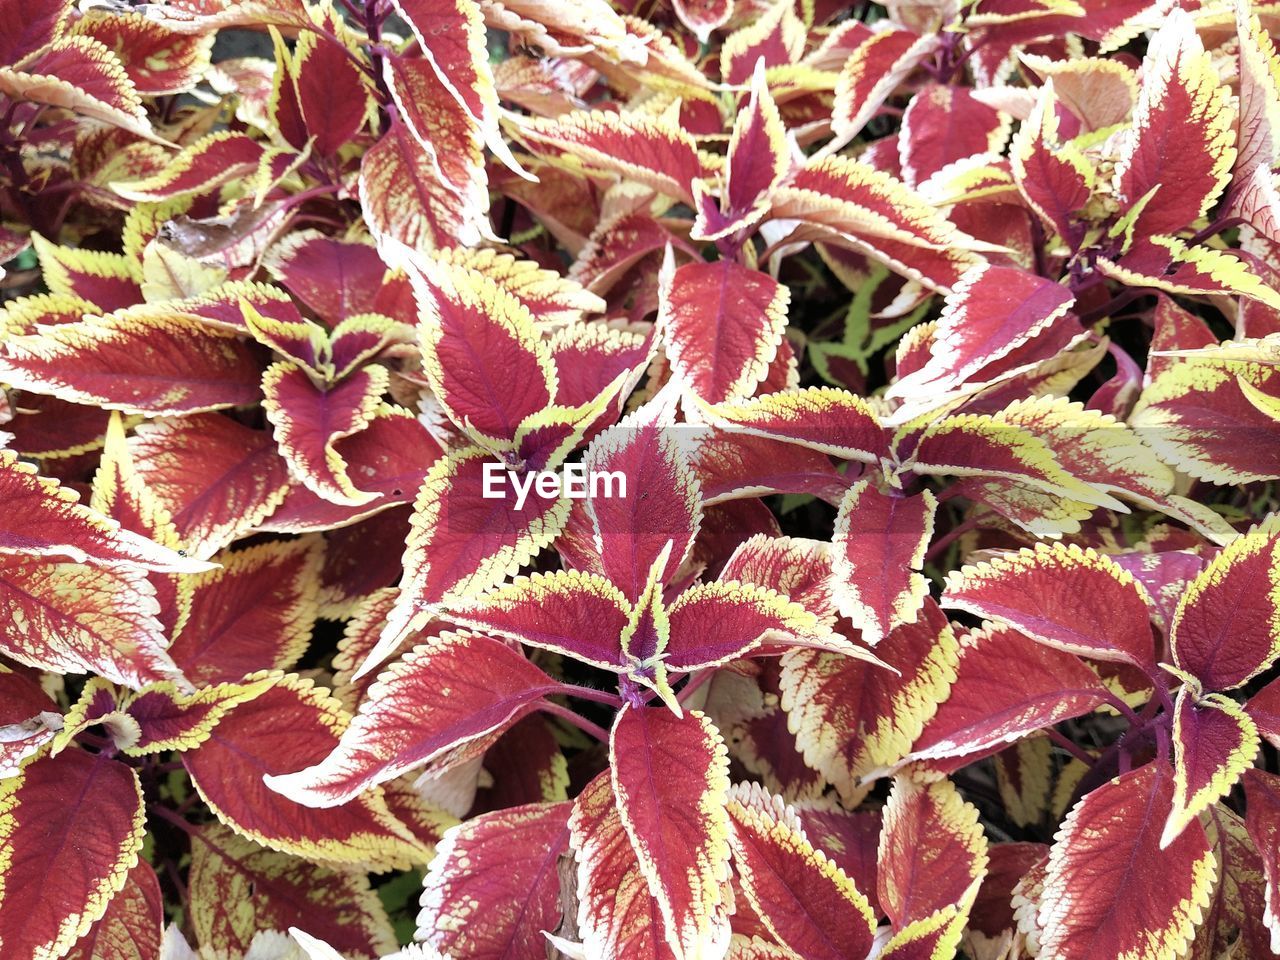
853, 719
803, 898
309, 420
292, 723
216, 478
1182, 142
657, 502
255, 612
671, 779
72, 828
443, 703
144, 360
43, 518
723, 326
29, 718
1067, 597
482, 354
571, 612
991, 312
1226, 629
205, 165
238, 888
879, 216
832, 421
933, 853
877, 555
426, 217
654, 151
1110, 842
461, 542
73, 618
168, 719
1215, 741
617, 914
759, 156
132, 925
984, 711
494, 885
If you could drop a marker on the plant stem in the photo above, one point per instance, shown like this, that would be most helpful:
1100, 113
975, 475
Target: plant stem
696, 681
588, 693
168, 816
582, 723
1215, 228
1067, 744
1123, 709
948, 538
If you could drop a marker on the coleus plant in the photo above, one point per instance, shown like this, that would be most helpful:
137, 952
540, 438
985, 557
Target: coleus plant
735, 478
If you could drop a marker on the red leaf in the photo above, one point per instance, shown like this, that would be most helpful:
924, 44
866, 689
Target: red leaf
482, 353
309, 420
332, 92
991, 312
462, 542
72, 618
759, 157
984, 711
617, 914
1056, 181
732, 465
1073, 599
944, 124
255, 612
157, 60
132, 924
216, 478
389, 457
169, 720
877, 215
870, 75
238, 888
703, 16
713, 623
805, 901
853, 718
494, 886
1110, 842
443, 703
144, 360
1227, 626
292, 723
31, 27
1262, 818
933, 854
435, 118
570, 612
404, 199
671, 779
724, 323
654, 151
452, 37
42, 518
1215, 741
73, 827
1182, 142
822, 418
201, 168
335, 278
23, 721
878, 552
660, 505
